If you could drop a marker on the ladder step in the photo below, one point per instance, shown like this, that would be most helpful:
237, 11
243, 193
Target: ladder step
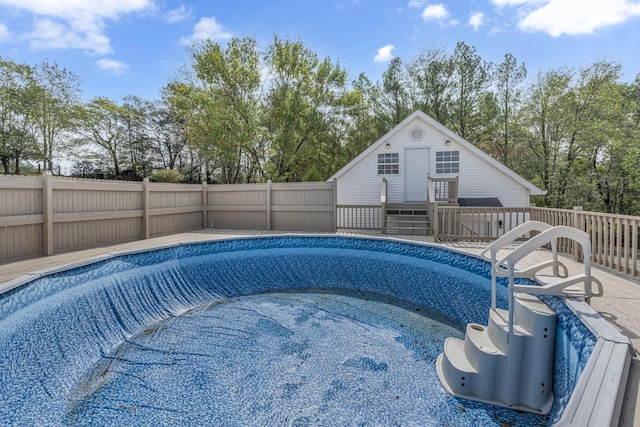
454, 351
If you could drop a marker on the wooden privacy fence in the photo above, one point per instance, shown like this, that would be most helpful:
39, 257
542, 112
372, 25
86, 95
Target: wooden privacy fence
45, 215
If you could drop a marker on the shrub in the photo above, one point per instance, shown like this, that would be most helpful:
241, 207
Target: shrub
166, 175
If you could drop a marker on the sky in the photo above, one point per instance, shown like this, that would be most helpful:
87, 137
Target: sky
135, 47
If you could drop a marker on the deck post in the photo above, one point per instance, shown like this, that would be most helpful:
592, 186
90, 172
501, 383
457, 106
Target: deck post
47, 211
205, 204
145, 208
334, 189
577, 255
268, 189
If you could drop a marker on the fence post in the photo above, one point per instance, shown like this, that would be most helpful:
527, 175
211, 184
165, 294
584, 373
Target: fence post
269, 205
577, 256
145, 208
47, 213
335, 204
205, 204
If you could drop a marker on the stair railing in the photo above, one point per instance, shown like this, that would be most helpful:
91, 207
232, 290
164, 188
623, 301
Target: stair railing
432, 208
383, 204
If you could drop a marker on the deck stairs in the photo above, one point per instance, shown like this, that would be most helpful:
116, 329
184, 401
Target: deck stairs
406, 218
509, 362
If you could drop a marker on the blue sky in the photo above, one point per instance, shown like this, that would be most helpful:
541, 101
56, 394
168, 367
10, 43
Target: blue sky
122, 47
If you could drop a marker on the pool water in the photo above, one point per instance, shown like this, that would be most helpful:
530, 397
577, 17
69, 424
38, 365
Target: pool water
264, 331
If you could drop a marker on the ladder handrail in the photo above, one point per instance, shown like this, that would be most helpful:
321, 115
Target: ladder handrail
513, 235
546, 237
550, 236
508, 238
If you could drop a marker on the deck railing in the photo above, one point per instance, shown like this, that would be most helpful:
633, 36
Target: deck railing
444, 190
360, 217
614, 238
477, 224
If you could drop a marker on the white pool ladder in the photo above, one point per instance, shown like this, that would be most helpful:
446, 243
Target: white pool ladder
509, 362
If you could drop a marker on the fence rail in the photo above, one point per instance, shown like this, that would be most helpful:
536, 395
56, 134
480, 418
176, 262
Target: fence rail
46, 215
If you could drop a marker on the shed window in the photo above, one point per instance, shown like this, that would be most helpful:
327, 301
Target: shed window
388, 164
447, 162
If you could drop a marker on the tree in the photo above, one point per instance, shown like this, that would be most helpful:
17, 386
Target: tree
394, 102
306, 102
592, 109
546, 125
365, 126
431, 80
508, 76
105, 124
470, 81
167, 131
221, 110
17, 139
57, 98
138, 143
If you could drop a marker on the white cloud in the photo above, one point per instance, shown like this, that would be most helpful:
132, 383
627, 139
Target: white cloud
4, 32
384, 54
477, 20
571, 17
178, 15
207, 28
438, 13
435, 12
74, 24
417, 4
502, 3
49, 34
115, 67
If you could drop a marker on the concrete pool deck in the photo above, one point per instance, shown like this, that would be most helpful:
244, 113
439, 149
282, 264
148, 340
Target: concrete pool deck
619, 305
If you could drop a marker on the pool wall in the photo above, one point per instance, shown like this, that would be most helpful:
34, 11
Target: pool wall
90, 309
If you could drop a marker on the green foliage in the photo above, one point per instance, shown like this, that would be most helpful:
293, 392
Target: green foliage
166, 175
312, 175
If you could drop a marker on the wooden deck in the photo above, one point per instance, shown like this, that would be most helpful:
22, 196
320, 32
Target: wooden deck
620, 304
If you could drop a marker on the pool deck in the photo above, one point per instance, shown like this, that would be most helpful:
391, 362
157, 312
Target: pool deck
620, 304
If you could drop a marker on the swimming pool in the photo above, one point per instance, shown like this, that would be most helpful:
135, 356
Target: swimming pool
173, 334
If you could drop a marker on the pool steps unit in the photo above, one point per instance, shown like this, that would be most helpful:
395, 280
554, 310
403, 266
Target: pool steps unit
510, 361
493, 366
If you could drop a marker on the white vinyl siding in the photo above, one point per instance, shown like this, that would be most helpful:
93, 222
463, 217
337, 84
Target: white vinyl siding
361, 184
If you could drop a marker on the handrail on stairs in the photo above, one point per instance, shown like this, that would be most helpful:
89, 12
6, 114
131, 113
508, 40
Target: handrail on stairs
383, 204
432, 208
506, 266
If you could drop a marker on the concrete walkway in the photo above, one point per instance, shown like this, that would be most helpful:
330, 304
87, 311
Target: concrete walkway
620, 304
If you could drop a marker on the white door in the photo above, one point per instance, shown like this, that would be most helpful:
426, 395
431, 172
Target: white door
416, 171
